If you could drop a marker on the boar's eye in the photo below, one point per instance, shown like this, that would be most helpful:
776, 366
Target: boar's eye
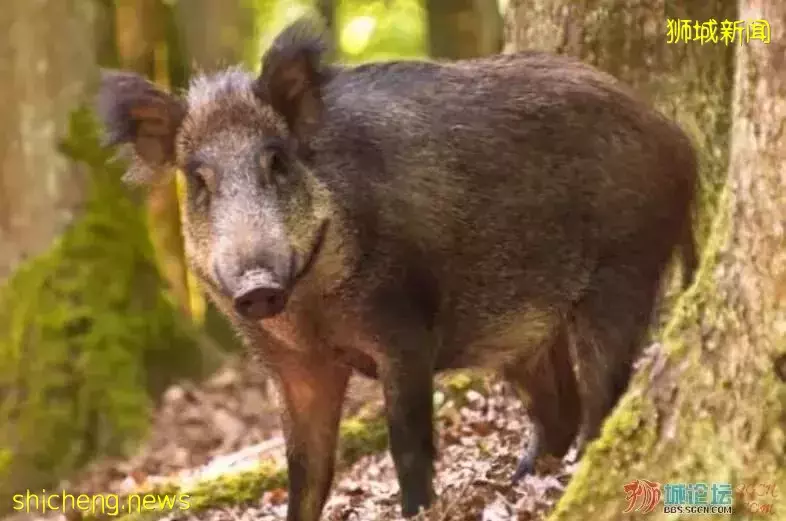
198, 177
275, 157
277, 162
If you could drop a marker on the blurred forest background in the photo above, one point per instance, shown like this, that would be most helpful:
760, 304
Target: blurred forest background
99, 315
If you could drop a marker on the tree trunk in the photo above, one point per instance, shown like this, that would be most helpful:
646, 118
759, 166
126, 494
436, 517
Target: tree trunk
106, 34
87, 340
463, 28
690, 415
218, 33
140, 32
42, 78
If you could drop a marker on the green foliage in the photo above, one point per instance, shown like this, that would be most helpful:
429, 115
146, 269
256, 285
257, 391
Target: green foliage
86, 335
368, 30
382, 30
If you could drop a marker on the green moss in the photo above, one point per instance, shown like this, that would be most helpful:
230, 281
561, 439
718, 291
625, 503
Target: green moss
362, 436
233, 489
86, 335
693, 442
633, 422
236, 489
694, 302
240, 488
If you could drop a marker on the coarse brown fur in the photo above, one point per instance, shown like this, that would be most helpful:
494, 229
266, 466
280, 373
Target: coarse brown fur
513, 212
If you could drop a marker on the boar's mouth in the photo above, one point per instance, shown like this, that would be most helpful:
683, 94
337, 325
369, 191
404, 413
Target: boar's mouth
311, 257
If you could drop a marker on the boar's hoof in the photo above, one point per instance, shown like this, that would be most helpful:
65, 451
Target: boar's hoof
525, 467
260, 302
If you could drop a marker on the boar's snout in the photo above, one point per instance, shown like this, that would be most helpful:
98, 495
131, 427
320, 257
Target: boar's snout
259, 270
259, 296
255, 273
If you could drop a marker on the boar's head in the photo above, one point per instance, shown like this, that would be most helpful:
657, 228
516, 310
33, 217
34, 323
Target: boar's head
255, 217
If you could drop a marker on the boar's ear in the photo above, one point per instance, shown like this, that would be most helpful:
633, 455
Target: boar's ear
293, 75
133, 110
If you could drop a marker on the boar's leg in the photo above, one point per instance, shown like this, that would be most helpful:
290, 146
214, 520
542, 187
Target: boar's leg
549, 384
408, 398
608, 325
313, 390
407, 383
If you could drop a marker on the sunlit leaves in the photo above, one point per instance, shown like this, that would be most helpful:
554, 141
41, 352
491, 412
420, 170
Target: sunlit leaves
369, 30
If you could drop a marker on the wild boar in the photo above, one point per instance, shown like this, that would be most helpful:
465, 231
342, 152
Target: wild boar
514, 212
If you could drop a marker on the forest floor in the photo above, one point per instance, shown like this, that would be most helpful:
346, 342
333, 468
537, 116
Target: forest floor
219, 427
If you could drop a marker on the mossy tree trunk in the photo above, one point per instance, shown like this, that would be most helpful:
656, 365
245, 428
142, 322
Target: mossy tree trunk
708, 403
87, 340
463, 28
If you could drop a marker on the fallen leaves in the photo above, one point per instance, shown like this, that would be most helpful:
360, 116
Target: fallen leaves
482, 431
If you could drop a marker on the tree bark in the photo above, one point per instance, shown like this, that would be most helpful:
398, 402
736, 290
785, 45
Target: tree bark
139, 34
106, 49
87, 339
463, 28
43, 77
690, 415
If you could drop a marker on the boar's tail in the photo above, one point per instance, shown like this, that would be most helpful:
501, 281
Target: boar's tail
688, 253
687, 241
